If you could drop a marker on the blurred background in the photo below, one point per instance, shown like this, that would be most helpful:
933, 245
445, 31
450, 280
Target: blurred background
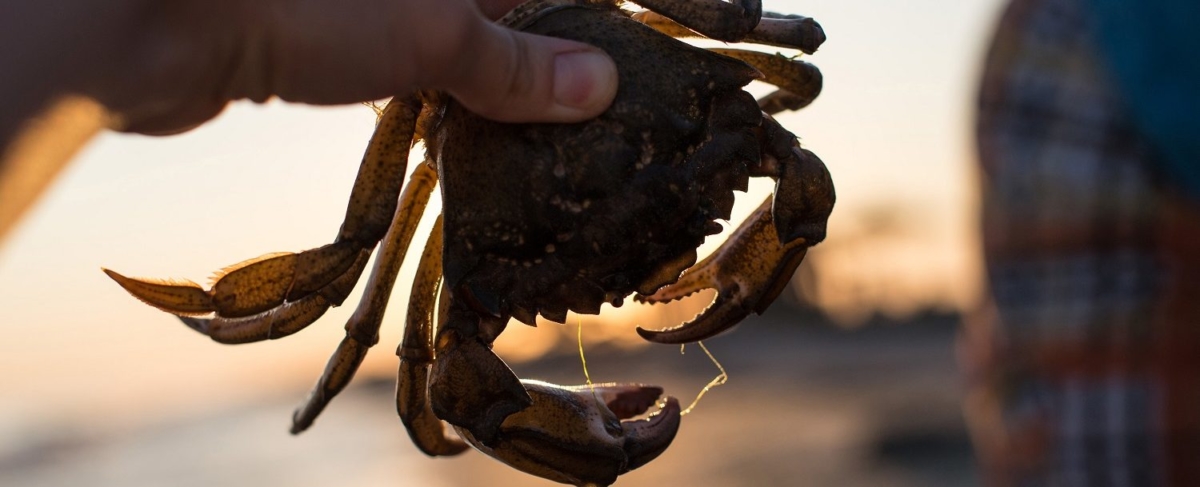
850, 379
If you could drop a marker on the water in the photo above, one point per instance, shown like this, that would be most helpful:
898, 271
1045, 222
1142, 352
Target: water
805, 406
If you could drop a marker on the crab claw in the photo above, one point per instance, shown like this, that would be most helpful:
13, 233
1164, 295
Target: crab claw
748, 272
583, 435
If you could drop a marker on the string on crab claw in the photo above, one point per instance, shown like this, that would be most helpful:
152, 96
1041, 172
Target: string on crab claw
582, 359
719, 380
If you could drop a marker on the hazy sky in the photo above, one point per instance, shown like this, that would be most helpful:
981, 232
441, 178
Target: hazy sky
893, 126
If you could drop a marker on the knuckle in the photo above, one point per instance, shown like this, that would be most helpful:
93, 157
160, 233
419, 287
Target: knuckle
520, 75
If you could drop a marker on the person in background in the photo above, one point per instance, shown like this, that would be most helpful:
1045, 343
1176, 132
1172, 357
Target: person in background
155, 67
1083, 367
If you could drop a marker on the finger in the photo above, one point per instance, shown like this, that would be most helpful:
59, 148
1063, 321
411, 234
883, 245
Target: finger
182, 118
345, 51
518, 77
364, 50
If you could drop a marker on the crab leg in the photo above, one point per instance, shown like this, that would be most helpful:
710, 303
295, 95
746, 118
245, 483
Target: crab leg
469, 386
781, 101
799, 82
578, 435
752, 267
581, 435
804, 195
362, 329
282, 320
273, 295
791, 31
416, 356
715, 19
575, 435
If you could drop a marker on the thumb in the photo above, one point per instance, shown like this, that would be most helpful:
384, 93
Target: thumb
513, 76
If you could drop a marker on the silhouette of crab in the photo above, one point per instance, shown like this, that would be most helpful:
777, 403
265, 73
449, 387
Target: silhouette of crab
546, 218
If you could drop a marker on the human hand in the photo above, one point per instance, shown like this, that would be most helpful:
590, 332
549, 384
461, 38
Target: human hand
178, 64
162, 67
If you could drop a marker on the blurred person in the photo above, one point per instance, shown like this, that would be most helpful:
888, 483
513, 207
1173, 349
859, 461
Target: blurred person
158, 67
1083, 368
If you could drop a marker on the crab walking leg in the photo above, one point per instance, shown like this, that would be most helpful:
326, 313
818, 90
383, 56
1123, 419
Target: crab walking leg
282, 320
416, 356
752, 267
184, 298
362, 329
787, 30
799, 82
724, 21
790, 31
781, 101
268, 282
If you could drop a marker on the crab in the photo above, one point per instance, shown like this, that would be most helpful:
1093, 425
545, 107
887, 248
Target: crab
539, 219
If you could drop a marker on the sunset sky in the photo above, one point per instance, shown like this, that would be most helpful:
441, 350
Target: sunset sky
893, 124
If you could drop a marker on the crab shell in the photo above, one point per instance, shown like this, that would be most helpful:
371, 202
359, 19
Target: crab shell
542, 218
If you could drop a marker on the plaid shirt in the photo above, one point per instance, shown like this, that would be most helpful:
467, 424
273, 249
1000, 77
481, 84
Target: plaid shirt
1083, 368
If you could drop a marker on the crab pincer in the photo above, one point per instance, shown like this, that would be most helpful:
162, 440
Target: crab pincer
752, 267
583, 435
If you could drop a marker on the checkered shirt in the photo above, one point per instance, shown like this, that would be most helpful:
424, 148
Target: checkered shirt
1083, 368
